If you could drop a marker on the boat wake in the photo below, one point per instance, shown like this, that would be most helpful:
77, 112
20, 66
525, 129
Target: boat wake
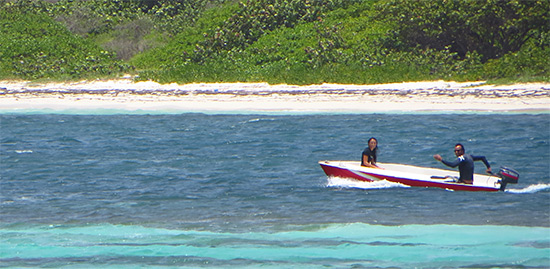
346, 183
531, 188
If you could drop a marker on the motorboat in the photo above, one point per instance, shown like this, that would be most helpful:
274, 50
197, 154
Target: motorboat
416, 176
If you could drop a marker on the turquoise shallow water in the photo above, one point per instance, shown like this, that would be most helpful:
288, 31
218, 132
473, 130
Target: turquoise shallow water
335, 245
196, 190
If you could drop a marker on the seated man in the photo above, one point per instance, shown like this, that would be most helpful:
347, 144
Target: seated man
465, 163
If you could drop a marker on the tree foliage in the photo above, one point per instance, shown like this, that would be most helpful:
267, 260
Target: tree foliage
279, 41
255, 18
174, 16
34, 46
491, 28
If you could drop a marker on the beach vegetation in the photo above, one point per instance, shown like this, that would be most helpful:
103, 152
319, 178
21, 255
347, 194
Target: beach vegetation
34, 46
277, 41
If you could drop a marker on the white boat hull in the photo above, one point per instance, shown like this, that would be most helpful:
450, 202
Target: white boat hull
409, 175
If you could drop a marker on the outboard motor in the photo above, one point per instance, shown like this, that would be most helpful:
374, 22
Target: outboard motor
507, 175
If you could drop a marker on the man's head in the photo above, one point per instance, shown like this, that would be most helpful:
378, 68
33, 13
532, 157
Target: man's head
459, 149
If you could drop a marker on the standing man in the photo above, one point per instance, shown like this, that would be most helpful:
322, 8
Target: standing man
465, 163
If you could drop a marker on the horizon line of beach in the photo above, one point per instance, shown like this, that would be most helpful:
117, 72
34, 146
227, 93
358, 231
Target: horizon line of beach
123, 94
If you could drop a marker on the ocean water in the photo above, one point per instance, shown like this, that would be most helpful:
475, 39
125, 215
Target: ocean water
245, 191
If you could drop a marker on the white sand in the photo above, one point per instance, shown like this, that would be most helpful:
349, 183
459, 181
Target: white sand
125, 95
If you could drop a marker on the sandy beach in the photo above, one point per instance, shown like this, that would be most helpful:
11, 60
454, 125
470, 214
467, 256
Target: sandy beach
124, 94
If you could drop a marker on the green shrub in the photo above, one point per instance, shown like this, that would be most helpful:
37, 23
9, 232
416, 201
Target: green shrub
129, 39
530, 63
490, 28
34, 46
278, 41
256, 18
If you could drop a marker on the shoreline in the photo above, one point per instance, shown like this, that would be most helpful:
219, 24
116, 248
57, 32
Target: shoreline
124, 94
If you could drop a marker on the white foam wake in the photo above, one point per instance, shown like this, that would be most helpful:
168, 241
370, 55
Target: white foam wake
337, 182
530, 188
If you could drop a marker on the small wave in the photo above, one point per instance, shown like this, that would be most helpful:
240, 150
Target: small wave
338, 182
531, 188
69, 139
254, 120
23, 151
259, 119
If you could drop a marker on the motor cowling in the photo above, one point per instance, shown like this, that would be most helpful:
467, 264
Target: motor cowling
507, 175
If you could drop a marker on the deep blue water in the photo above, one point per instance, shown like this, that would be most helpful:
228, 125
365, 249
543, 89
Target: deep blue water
202, 190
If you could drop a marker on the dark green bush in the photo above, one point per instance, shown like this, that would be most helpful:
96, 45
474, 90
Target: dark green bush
524, 65
491, 28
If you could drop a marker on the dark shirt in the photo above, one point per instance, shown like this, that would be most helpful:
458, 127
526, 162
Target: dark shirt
371, 156
465, 165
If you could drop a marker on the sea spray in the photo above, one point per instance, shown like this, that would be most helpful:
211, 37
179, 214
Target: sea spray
530, 189
337, 182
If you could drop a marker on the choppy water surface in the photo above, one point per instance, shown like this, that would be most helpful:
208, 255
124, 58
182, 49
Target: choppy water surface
246, 191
